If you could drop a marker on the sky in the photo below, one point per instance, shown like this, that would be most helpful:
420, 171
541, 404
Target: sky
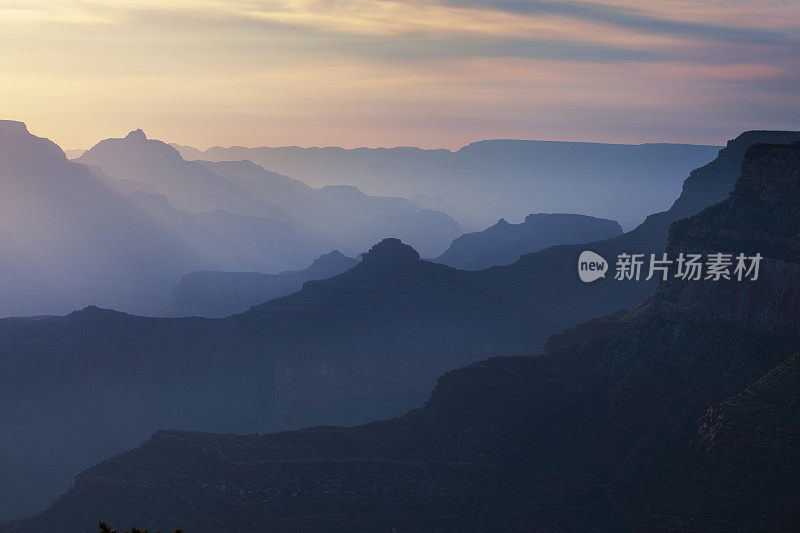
438, 73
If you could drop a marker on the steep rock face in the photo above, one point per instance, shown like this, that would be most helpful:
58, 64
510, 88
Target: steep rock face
504, 243
759, 218
706, 185
655, 424
220, 294
770, 303
769, 187
366, 344
712, 183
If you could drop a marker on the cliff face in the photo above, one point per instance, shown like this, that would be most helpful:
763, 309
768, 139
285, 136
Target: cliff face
759, 218
366, 344
771, 303
712, 183
705, 186
504, 243
761, 214
656, 420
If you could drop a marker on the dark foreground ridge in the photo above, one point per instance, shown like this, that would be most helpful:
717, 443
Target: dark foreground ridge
683, 415
364, 345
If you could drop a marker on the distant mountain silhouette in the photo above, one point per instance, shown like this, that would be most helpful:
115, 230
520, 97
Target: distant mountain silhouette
504, 243
705, 186
366, 344
681, 415
67, 239
220, 294
189, 186
338, 216
486, 180
72, 236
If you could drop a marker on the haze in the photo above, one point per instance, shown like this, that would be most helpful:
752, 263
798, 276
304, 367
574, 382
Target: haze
431, 74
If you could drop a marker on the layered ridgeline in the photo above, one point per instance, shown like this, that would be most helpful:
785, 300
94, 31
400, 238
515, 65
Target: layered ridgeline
73, 235
67, 239
335, 216
680, 415
705, 186
487, 180
366, 344
219, 294
504, 243
215, 294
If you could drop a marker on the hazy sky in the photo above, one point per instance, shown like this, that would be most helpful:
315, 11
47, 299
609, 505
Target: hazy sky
399, 72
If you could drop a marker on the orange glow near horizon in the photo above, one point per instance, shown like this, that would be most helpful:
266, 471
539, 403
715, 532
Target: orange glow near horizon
399, 72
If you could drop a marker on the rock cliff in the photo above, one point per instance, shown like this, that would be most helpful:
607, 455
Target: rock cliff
667, 420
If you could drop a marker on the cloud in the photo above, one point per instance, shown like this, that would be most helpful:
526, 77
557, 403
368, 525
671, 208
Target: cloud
638, 19
399, 71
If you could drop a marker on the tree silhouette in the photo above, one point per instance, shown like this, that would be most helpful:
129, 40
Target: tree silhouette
105, 528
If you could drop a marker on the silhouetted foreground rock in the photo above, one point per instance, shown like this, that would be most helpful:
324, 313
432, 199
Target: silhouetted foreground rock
685, 419
366, 344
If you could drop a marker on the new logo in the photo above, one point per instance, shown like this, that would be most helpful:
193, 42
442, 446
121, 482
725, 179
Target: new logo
591, 266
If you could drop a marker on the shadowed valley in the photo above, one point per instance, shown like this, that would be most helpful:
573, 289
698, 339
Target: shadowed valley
366, 344
667, 417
